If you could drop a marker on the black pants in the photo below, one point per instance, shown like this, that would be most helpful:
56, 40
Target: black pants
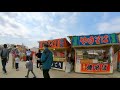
46, 73
31, 72
16, 65
4, 61
38, 63
27, 58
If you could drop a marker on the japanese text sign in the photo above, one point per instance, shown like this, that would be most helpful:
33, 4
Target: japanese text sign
95, 67
94, 39
57, 43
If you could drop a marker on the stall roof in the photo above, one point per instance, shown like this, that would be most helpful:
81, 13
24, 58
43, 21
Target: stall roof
61, 43
99, 40
64, 48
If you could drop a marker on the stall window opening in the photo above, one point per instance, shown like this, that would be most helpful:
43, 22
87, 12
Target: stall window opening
100, 55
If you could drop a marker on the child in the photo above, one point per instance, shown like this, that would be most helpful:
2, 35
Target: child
29, 66
17, 59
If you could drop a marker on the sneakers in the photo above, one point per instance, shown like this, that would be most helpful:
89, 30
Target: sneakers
26, 76
17, 69
34, 77
5, 73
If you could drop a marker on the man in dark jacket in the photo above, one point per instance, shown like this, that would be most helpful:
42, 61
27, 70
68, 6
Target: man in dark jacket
4, 57
47, 60
38, 58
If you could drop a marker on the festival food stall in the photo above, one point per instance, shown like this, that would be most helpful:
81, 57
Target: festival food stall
60, 48
22, 51
118, 63
95, 53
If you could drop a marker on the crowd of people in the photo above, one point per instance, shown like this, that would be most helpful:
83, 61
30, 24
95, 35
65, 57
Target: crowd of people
44, 60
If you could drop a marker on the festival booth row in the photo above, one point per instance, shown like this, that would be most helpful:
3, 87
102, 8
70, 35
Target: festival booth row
60, 48
96, 53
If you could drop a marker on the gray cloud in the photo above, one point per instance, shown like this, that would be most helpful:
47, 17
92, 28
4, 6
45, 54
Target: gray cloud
28, 28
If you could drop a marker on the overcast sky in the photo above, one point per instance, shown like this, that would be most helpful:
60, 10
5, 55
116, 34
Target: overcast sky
30, 27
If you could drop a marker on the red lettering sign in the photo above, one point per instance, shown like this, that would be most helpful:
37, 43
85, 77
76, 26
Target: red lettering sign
95, 67
97, 40
83, 40
105, 39
57, 43
90, 40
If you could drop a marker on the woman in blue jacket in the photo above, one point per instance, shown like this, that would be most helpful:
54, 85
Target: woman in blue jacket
47, 60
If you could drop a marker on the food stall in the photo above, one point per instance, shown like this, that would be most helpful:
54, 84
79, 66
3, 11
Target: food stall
96, 53
22, 51
60, 48
118, 63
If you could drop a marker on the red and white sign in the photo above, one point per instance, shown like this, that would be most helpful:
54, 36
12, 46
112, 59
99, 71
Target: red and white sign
95, 67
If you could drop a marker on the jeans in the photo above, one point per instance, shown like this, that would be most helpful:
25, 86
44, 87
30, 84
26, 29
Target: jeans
46, 73
13, 62
4, 61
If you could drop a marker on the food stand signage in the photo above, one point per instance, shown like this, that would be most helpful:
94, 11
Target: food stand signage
59, 54
94, 39
58, 65
101, 67
57, 43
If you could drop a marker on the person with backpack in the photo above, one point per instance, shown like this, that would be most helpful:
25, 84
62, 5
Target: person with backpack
14, 52
4, 57
47, 60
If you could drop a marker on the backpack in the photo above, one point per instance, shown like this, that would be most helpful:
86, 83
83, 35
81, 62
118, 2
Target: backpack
15, 52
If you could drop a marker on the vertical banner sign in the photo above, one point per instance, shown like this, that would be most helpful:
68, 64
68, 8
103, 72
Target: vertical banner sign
113, 38
111, 54
119, 38
75, 40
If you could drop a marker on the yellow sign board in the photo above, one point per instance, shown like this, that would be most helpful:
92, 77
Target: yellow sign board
58, 59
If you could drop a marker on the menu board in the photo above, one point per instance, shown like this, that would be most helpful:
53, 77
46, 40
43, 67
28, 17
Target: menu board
79, 54
59, 59
60, 54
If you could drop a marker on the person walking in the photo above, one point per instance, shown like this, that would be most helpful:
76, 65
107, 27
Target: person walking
28, 55
47, 60
4, 57
38, 59
14, 52
29, 66
17, 60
